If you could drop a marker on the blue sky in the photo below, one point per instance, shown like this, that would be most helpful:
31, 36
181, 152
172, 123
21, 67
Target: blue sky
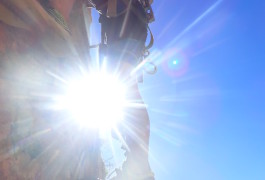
207, 101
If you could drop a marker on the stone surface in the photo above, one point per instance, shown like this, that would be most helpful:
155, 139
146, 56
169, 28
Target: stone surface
36, 143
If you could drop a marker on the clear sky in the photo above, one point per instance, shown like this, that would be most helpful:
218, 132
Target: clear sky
207, 100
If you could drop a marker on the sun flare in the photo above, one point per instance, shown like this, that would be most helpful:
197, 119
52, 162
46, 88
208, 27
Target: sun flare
96, 100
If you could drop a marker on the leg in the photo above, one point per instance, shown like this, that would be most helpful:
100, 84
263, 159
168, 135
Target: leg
136, 131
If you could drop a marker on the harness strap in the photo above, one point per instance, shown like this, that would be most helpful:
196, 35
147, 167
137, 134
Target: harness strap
151, 43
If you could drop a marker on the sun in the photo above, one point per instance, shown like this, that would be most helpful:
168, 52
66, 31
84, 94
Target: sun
96, 100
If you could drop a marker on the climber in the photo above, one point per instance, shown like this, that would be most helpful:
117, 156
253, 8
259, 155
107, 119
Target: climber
124, 26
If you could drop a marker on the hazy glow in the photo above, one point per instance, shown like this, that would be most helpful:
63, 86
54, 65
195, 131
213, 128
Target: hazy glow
95, 101
175, 62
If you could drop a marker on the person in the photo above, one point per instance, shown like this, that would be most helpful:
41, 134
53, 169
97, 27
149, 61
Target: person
39, 38
124, 32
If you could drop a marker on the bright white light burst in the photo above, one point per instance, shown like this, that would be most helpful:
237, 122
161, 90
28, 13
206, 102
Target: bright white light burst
95, 101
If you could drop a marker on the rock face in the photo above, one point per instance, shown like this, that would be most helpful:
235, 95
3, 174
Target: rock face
35, 141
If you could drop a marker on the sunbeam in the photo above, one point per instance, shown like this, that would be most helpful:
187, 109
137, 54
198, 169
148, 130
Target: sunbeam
195, 22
